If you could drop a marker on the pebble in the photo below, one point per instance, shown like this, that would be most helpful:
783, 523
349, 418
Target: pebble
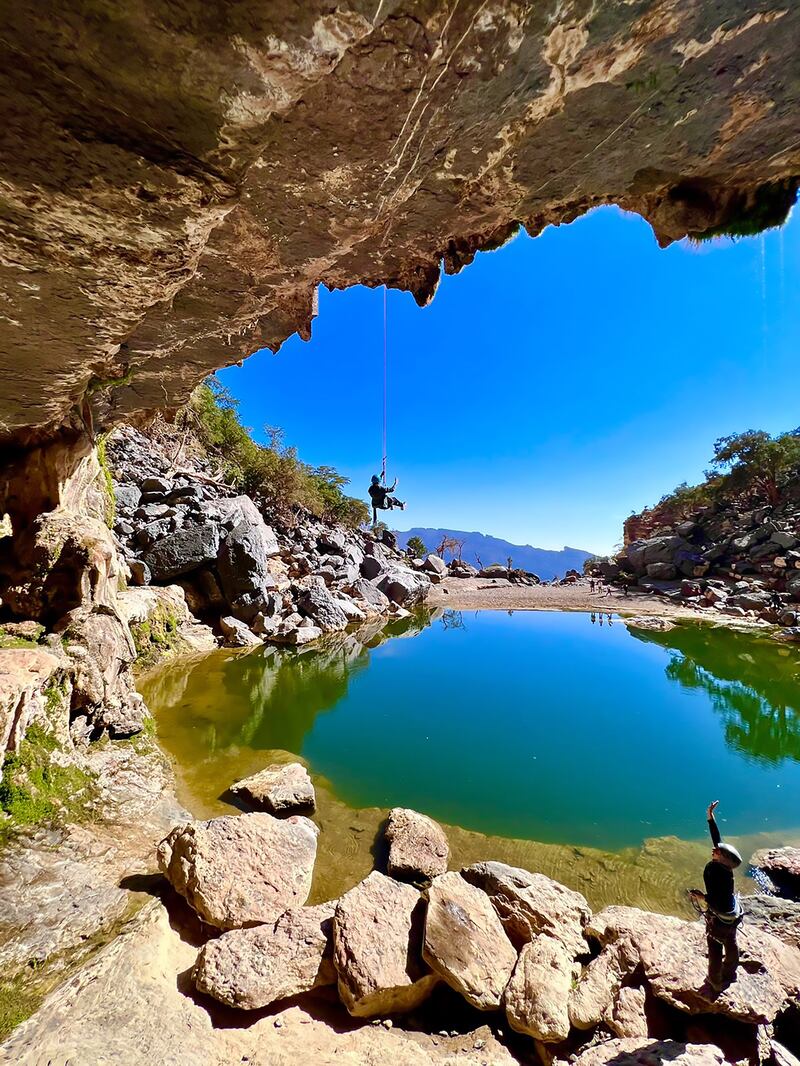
387, 1023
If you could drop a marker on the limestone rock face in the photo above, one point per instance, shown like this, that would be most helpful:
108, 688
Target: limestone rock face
465, 942
642, 1051
529, 904
25, 674
251, 968
279, 789
536, 996
243, 869
418, 848
377, 948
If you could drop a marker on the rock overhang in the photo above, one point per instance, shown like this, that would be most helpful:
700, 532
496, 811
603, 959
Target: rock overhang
177, 179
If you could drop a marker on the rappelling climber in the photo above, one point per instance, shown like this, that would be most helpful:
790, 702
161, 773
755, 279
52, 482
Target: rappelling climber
381, 500
723, 908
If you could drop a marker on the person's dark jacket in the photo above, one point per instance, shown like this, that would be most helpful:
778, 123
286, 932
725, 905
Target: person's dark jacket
718, 879
378, 494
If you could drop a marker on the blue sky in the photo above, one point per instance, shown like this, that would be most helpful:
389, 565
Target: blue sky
553, 386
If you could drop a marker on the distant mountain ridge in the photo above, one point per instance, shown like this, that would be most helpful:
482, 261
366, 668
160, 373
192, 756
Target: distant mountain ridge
480, 548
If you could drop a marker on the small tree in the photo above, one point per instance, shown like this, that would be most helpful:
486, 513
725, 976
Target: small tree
446, 544
416, 546
756, 463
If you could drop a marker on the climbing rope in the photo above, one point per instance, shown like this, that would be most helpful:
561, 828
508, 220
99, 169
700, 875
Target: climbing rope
385, 387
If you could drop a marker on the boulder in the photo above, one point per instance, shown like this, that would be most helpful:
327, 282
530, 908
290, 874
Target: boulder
285, 789
653, 625
237, 634
317, 603
643, 1051
418, 848
140, 572
244, 554
495, 570
661, 571
537, 994
333, 541
626, 1016
434, 564
241, 869
465, 942
371, 567
252, 968
126, 497
594, 994
529, 904
157, 485
377, 948
183, 551
403, 586
366, 591
673, 956
782, 865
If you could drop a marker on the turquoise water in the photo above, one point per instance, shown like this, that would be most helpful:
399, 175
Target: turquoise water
539, 725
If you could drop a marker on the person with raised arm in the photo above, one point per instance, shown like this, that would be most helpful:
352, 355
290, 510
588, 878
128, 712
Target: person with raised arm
723, 909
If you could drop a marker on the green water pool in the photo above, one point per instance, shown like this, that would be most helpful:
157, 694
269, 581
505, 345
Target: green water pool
540, 726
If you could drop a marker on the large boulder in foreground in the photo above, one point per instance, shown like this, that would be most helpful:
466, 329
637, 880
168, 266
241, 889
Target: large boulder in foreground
279, 789
530, 904
243, 559
673, 957
252, 968
643, 1051
537, 994
242, 869
404, 587
377, 948
183, 551
465, 942
418, 848
326, 612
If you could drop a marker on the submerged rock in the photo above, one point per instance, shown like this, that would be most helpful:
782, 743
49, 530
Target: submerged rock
251, 968
285, 789
241, 869
529, 904
537, 994
465, 942
418, 848
377, 948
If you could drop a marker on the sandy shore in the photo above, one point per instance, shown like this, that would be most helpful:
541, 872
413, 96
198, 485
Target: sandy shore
465, 594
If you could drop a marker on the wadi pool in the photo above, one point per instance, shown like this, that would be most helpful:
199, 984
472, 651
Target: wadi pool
532, 726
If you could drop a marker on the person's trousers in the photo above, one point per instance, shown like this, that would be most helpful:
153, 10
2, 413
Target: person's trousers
723, 951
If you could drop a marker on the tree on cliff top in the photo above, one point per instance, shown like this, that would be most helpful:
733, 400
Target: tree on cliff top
273, 474
416, 545
756, 463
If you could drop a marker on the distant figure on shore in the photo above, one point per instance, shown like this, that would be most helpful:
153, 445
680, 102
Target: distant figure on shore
381, 500
724, 911
591, 584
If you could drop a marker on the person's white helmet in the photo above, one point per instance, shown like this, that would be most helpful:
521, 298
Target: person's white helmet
730, 854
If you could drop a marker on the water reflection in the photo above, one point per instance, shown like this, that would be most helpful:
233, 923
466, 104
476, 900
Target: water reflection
756, 695
266, 700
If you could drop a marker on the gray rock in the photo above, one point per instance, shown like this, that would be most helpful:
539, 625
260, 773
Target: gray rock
126, 497
242, 869
279, 789
243, 559
183, 551
662, 571
155, 484
434, 564
366, 591
237, 634
371, 567
317, 603
418, 848
403, 586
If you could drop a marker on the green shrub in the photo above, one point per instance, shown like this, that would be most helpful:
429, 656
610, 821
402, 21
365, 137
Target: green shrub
273, 474
416, 546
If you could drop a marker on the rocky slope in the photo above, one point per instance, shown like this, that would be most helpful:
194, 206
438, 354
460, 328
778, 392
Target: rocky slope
252, 581
728, 557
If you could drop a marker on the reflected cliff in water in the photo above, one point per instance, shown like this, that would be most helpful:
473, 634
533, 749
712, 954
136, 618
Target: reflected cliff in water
266, 700
752, 682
